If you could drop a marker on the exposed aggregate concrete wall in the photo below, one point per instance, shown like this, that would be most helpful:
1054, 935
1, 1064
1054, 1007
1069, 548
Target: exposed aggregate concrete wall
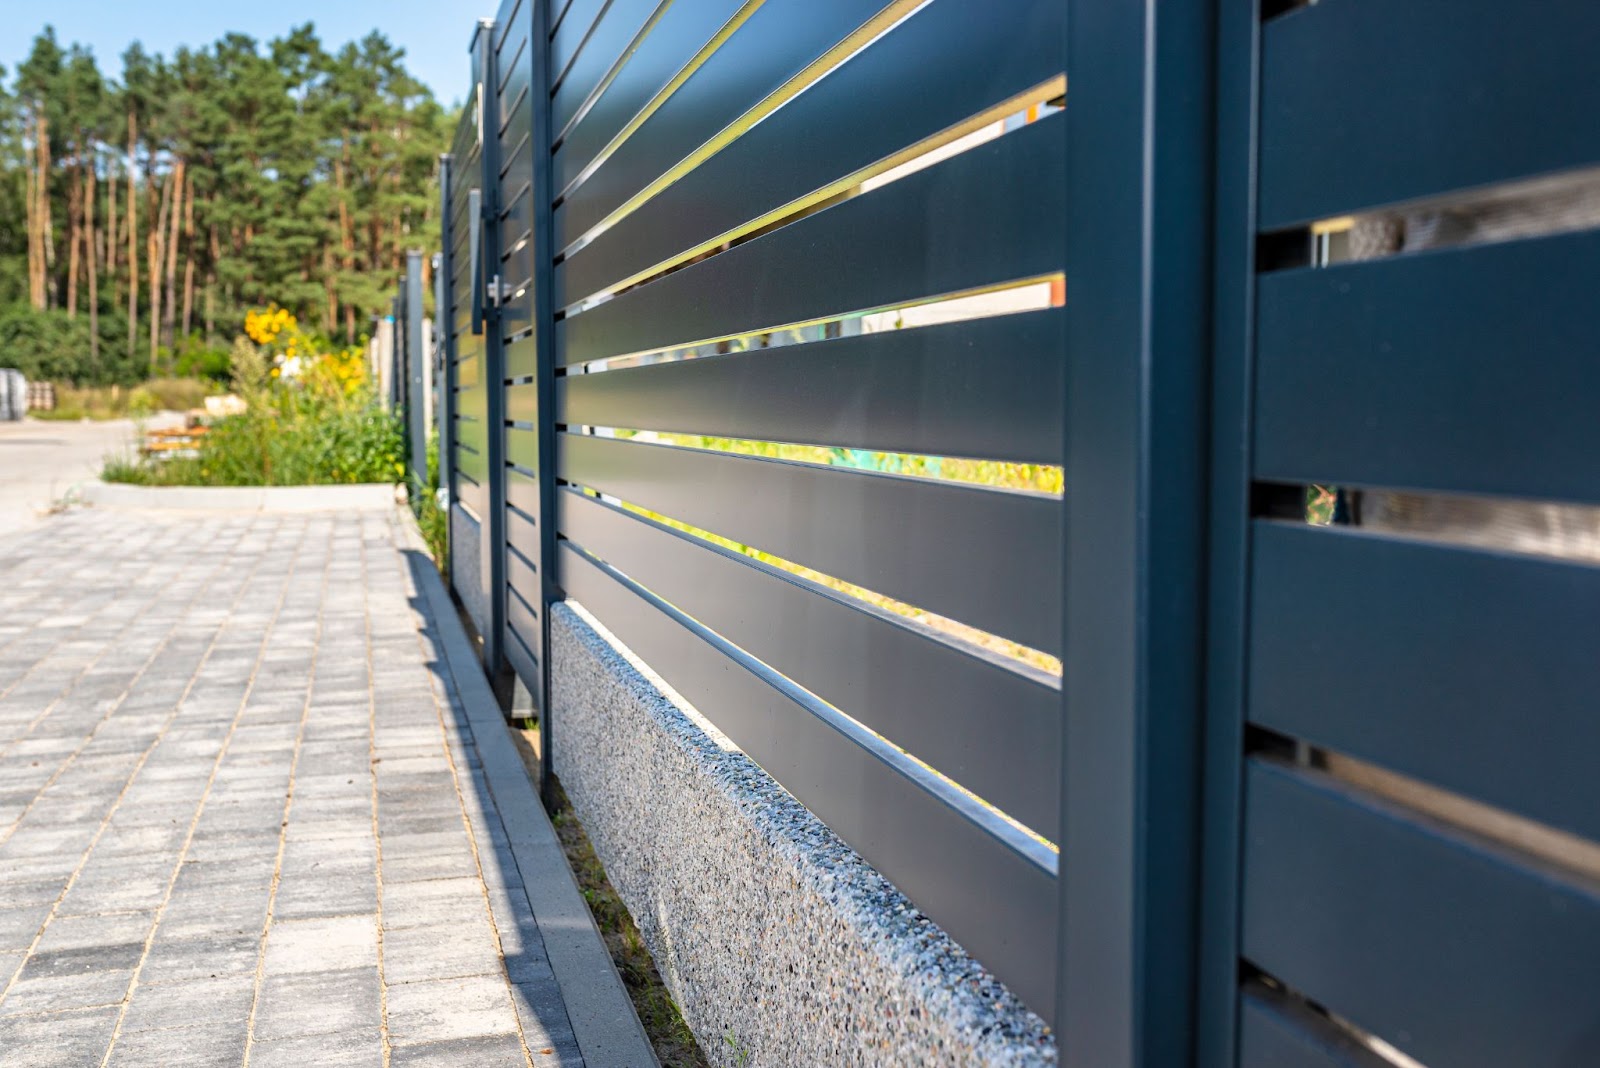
780, 944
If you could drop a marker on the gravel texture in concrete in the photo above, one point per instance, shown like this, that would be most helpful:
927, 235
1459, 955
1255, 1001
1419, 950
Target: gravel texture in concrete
243, 818
781, 945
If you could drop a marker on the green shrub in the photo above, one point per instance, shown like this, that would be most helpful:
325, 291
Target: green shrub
431, 518
195, 359
179, 394
318, 433
53, 346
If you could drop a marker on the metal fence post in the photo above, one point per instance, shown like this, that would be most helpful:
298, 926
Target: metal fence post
544, 332
444, 335
1139, 128
416, 365
493, 543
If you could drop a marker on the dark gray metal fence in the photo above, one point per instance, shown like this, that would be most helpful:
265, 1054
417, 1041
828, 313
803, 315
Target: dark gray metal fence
412, 376
1403, 725
1260, 815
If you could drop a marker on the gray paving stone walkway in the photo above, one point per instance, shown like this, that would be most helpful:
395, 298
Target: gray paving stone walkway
242, 820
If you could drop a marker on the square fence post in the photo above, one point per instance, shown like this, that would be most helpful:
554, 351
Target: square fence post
1138, 191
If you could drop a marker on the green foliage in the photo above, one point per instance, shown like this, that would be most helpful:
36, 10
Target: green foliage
288, 171
52, 346
193, 358
432, 519
287, 436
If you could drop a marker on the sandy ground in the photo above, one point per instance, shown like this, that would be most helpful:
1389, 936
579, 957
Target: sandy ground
41, 462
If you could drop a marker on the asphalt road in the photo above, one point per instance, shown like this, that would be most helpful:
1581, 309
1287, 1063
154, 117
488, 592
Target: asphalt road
41, 462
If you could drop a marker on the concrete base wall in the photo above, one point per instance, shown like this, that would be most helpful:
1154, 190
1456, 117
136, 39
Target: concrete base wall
466, 566
782, 946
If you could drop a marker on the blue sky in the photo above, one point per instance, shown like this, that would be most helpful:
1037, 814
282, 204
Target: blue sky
434, 33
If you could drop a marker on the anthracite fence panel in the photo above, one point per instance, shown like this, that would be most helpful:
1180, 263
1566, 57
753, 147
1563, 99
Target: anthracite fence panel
681, 129
1404, 668
760, 318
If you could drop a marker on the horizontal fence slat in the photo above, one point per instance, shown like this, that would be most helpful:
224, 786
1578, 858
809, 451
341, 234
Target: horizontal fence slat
510, 21
1469, 371
517, 70
976, 555
512, 53
1451, 952
472, 404
521, 575
986, 388
475, 466
475, 497
518, 127
522, 448
471, 433
516, 217
777, 42
1274, 1032
516, 311
1366, 103
572, 31
995, 902
521, 358
682, 31
521, 532
984, 54
516, 265
993, 730
518, 164
522, 491
617, 26
999, 220
1470, 669
522, 403
522, 620
523, 660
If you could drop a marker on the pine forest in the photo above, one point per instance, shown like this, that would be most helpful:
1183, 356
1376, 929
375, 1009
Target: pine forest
147, 206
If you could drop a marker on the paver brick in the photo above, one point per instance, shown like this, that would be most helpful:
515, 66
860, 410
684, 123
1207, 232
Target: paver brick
318, 1003
57, 1040
242, 808
215, 1045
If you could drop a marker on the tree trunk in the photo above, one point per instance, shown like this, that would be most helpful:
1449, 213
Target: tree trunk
111, 239
169, 310
93, 269
39, 236
35, 289
330, 317
188, 261
74, 235
47, 230
155, 247
211, 288
347, 240
133, 237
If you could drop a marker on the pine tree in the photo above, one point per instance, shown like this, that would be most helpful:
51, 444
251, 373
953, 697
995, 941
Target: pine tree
237, 174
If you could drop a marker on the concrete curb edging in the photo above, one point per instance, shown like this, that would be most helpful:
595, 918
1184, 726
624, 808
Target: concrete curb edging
603, 1020
781, 945
361, 497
